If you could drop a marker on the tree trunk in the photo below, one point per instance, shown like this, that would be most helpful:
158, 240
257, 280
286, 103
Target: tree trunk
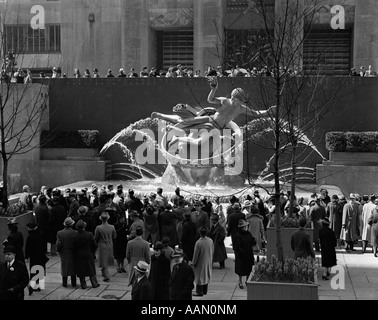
293, 177
5, 200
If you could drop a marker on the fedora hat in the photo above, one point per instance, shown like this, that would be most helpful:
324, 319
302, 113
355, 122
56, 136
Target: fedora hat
177, 253
247, 204
82, 210
9, 249
215, 217
352, 196
242, 223
142, 266
68, 222
134, 213
158, 245
104, 216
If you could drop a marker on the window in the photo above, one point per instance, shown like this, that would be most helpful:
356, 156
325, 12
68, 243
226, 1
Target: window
175, 47
24, 39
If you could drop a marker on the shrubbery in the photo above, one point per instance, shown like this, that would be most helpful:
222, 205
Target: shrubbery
352, 141
70, 139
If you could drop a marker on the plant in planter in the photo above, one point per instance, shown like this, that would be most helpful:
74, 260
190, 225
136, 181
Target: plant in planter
288, 280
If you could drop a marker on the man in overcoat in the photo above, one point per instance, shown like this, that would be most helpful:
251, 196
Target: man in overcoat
317, 213
203, 262
160, 273
350, 222
182, 278
64, 247
14, 276
301, 243
142, 287
218, 234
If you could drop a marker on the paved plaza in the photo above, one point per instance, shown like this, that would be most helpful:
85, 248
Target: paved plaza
361, 282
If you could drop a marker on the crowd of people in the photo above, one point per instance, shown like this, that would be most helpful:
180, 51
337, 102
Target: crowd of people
26, 76
169, 245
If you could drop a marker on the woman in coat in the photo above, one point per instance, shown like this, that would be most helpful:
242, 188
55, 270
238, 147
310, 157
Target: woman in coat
84, 249
334, 212
120, 243
328, 243
188, 238
105, 234
373, 221
35, 252
243, 244
218, 234
160, 273
256, 227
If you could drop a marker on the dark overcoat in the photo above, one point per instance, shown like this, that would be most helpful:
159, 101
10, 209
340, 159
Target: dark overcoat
18, 279
335, 214
317, 212
42, 218
64, 239
243, 243
188, 239
167, 222
83, 250
120, 242
57, 215
328, 243
374, 227
233, 222
35, 248
142, 290
181, 283
218, 234
160, 273
301, 244
16, 239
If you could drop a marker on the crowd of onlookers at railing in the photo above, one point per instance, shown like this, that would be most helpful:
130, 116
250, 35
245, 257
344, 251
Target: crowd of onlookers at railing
26, 76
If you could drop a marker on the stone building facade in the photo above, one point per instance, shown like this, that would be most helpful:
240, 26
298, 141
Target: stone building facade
135, 33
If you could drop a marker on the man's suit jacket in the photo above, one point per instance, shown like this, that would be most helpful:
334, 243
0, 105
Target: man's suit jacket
142, 290
16, 278
181, 282
301, 244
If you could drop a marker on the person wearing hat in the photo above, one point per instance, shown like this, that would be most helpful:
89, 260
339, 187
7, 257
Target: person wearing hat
57, 215
373, 222
316, 214
334, 211
367, 211
64, 247
84, 249
182, 277
142, 289
233, 220
218, 235
328, 243
120, 243
200, 217
96, 73
175, 199
160, 198
133, 203
160, 273
188, 236
137, 249
105, 235
73, 205
121, 73
35, 253
151, 224
243, 243
110, 74
168, 225
202, 262
14, 276
135, 223
15, 239
256, 227
350, 223
246, 208
42, 217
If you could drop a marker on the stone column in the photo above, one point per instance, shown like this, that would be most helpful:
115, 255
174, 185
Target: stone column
366, 34
208, 36
135, 35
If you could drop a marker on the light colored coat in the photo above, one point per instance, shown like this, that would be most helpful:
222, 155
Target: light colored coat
203, 260
256, 228
105, 234
367, 211
137, 250
64, 246
350, 222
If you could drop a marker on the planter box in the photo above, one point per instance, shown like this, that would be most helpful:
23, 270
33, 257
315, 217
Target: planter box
22, 221
354, 158
281, 291
68, 153
286, 241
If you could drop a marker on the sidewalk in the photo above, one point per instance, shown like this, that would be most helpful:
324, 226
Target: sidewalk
361, 282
